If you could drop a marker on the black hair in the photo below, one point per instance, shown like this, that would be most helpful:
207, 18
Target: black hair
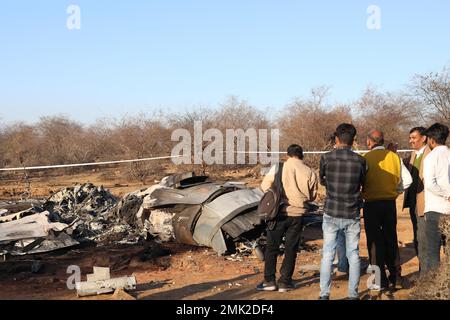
420, 130
438, 132
294, 150
346, 133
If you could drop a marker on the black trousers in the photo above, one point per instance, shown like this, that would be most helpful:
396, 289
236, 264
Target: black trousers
430, 241
413, 215
291, 227
380, 222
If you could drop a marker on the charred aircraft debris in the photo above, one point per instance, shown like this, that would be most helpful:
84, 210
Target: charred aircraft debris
184, 208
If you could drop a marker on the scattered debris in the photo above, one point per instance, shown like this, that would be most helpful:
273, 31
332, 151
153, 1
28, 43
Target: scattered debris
90, 212
235, 257
80, 199
21, 214
184, 208
30, 227
73, 215
33, 233
100, 282
120, 294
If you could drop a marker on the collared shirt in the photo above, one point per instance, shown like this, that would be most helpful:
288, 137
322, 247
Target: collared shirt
420, 151
342, 172
437, 180
405, 177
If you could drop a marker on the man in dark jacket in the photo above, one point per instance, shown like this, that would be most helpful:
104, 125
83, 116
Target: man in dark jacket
414, 195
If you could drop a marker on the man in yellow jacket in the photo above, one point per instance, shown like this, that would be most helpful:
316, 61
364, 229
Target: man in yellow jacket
386, 178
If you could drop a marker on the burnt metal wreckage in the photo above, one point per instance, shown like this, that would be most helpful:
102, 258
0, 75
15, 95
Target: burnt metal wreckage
183, 208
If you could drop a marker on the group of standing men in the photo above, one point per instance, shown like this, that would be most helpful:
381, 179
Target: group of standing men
371, 182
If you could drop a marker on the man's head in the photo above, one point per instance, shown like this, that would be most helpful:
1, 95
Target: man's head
437, 135
295, 151
345, 134
417, 138
392, 146
375, 138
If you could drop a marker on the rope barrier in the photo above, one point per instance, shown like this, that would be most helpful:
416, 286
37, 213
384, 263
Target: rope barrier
86, 164
156, 158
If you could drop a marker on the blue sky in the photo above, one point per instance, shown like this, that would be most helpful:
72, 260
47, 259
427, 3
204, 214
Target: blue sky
141, 56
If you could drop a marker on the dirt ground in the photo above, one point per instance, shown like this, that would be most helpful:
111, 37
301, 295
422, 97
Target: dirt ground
173, 271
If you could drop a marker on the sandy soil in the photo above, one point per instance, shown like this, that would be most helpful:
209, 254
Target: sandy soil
177, 271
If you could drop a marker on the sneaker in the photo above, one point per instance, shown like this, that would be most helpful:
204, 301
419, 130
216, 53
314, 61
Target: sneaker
376, 287
267, 286
282, 287
324, 298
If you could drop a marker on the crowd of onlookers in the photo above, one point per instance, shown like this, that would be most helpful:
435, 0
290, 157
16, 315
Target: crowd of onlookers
370, 183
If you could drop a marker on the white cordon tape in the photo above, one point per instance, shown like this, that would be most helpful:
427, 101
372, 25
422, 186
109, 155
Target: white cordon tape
86, 164
312, 152
154, 158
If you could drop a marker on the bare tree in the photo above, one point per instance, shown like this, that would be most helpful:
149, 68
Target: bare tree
434, 90
141, 137
63, 140
311, 123
393, 113
20, 145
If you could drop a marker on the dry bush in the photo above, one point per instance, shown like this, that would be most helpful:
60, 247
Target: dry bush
143, 170
233, 114
186, 120
20, 145
311, 124
140, 137
393, 113
62, 141
137, 138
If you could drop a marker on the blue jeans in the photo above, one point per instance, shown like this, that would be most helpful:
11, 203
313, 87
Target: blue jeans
352, 230
341, 252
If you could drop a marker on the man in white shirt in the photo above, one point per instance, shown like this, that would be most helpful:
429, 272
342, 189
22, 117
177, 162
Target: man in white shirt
437, 194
